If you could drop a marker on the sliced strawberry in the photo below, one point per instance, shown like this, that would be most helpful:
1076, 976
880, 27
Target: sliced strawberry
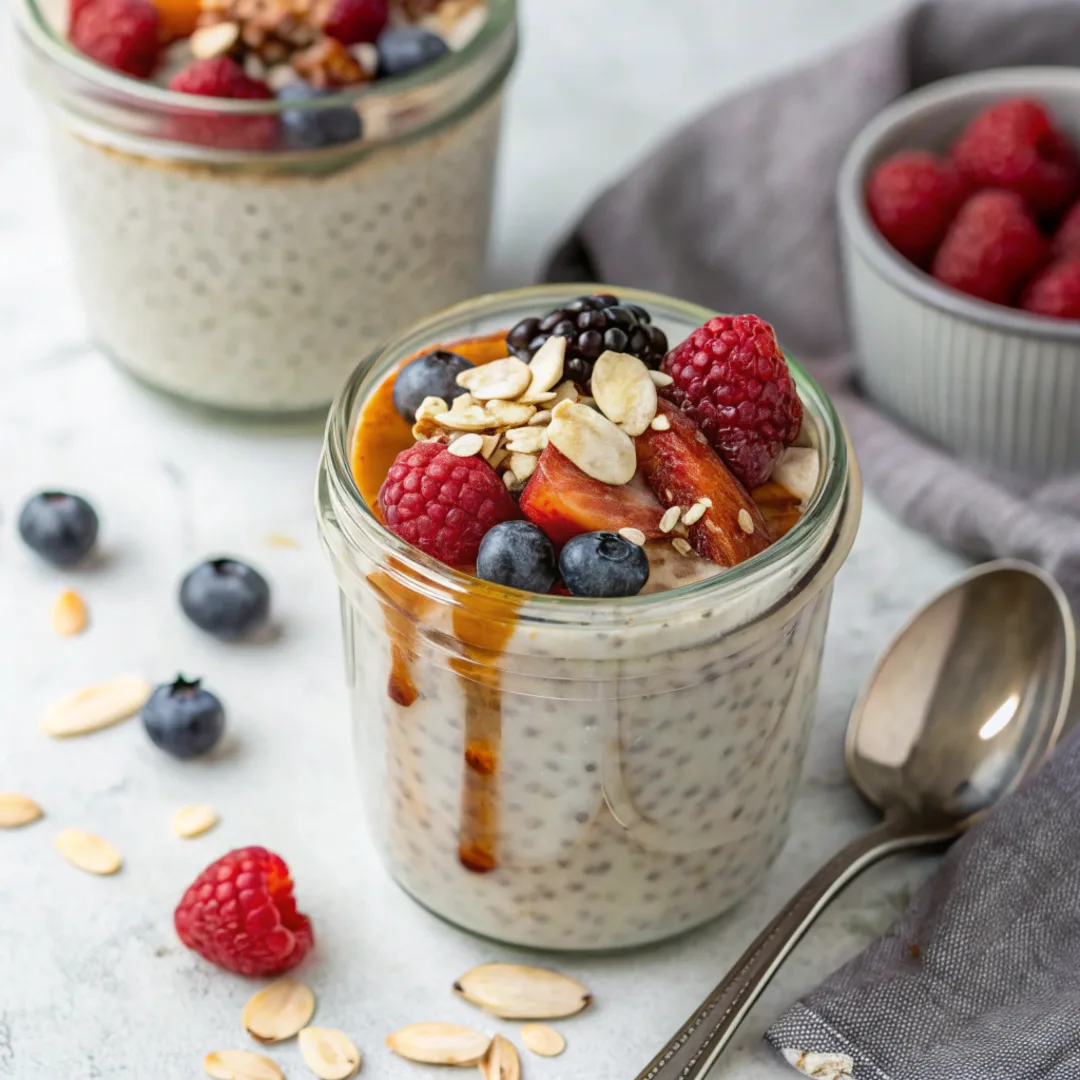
681, 468
565, 502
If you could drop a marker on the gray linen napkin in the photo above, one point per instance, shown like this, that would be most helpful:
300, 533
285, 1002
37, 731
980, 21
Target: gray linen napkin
736, 212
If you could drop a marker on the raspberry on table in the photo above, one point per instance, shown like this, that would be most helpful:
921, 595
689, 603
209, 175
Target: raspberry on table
992, 248
121, 34
354, 21
732, 378
1056, 291
912, 198
1014, 145
1067, 236
240, 913
444, 504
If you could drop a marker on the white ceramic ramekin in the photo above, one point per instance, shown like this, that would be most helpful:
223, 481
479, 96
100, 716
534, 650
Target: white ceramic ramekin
991, 384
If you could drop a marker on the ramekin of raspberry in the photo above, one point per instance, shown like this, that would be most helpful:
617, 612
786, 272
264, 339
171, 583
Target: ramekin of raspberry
258, 191
585, 547
960, 230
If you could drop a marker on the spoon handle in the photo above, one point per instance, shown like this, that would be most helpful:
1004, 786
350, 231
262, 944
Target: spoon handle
698, 1043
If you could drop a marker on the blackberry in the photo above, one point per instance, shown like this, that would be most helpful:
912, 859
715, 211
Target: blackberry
592, 325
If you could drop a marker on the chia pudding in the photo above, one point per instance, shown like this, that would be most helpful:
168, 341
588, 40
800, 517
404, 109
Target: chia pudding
569, 771
245, 254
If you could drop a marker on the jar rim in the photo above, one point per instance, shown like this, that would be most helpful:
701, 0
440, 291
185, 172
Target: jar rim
427, 574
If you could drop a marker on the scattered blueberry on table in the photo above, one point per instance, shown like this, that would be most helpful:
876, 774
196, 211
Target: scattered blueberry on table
226, 598
183, 719
60, 527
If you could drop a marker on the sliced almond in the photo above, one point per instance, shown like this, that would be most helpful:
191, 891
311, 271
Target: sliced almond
694, 514
623, 390
661, 378
468, 445
670, 518
439, 1044
69, 614
17, 810
523, 465
519, 992
240, 1065
278, 1011
593, 443
510, 414
88, 852
330, 1054
193, 820
542, 1040
746, 522
219, 39
96, 707
469, 418
501, 380
431, 406
536, 399
635, 536
501, 1062
546, 366
490, 445
526, 440
542, 417
566, 391
660, 423
280, 540
498, 457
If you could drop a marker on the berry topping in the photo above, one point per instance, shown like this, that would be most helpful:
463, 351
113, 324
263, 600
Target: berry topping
733, 379
992, 247
183, 719
308, 129
121, 34
912, 198
226, 598
219, 77
240, 914
60, 527
565, 502
222, 77
432, 375
356, 21
443, 504
602, 564
591, 325
1067, 237
1056, 291
404, 48
684, 470
517, 554
1014, 145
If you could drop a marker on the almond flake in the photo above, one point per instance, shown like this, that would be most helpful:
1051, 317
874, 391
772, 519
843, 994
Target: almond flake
194, 820
439, 1044
508, 414
518, 992
511, 481
469, 418
541, 417
746, 522
526, 440
546, 366
694, 514
536, 399
240, 1065
501, 1062
501, 380
88, 852
280, 540
278, 1011
681, 546
431, 406
623, 390
661, 378
523, 465
660, 423
670, 518
17, 810
490, 445
498, 457
96, 707
593, 443
467, 445
542, 1040
69, 615
330, 1054
566, 391
635, 536
208, 42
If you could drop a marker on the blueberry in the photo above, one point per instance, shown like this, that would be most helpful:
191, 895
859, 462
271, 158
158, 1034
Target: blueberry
603, 564
308, 129
60, 527
183, 719
225, 598
430, 375
517, 554
405, 48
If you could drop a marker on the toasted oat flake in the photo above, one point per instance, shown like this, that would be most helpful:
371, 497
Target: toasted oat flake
439, 1044
746, 522
278, 1011
546, 366
88, 852
519, 992
501, 1062
694, 514
523, 465
69, 614
670, 518
661, 378
660, 423
593, 443
96, 707
240, 1065
542, 1040
682, 546
501, 380
635, 536
17, 810
526, 440
193, 820
330, 1054
623, 391
431, 406
467, 445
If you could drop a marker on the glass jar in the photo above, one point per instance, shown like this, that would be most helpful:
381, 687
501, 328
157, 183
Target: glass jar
567, 773
254, 280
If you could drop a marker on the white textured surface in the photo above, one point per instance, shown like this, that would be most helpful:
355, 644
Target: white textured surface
92, 981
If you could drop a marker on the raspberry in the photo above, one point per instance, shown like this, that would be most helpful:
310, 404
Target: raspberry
355, 21
240, 914
121, 34
1056, 291
992, 248
913, 198
1014, 145
1067, 237
732, 378
219, 77
443, 504
222, 77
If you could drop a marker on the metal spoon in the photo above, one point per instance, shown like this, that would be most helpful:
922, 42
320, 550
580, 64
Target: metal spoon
967, 700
